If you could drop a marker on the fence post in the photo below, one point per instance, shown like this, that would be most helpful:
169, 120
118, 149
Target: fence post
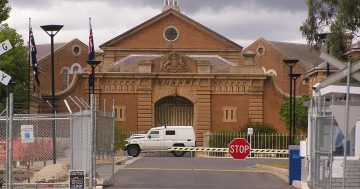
92, 143
10, 152
7, 140
113, 142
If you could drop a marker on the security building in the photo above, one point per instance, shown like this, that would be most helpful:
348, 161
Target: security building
172, 70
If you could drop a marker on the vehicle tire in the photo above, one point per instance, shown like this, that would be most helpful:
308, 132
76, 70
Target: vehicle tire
133, 151
178, 153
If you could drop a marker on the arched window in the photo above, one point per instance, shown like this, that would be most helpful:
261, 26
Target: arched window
65, 79
75, 68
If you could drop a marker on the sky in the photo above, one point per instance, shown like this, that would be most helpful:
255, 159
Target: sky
242, 21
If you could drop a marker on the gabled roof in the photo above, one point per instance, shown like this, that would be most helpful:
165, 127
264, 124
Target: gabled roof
309, 57
43, 51
162, 15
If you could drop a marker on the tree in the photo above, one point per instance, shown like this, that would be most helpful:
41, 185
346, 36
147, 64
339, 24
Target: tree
14, 63
4, 10
339, 17
301, 112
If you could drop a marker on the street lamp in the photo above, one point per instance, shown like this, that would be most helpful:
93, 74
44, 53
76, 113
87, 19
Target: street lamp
52, 30
92, 64
291, 63
294, 78
324, 36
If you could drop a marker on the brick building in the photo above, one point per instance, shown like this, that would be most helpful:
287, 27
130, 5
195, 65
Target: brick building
173, 70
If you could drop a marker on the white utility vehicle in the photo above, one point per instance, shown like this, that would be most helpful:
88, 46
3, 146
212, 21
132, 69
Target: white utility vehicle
161, 138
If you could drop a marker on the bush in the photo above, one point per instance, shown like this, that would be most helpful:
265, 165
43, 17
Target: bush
259, 128
120, 137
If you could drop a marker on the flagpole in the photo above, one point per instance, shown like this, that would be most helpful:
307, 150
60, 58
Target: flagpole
29, 71
89, 82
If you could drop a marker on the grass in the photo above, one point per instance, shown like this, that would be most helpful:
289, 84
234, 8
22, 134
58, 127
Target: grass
284, 165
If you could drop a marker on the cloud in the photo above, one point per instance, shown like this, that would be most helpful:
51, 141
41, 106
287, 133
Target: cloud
242, 21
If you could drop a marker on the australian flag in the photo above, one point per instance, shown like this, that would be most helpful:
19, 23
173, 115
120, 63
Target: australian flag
91, 56
32, 55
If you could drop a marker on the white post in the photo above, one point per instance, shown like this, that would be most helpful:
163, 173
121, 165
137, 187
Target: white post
11, 114
346, 120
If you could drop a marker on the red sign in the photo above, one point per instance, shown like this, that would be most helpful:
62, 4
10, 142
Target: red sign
239, 148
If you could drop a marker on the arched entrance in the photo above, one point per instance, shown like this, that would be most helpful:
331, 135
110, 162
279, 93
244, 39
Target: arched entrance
174, 110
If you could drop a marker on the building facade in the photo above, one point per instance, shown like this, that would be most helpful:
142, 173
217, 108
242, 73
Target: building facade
172, 70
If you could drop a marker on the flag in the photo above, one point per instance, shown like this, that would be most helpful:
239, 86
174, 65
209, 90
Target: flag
91, 56
32, 55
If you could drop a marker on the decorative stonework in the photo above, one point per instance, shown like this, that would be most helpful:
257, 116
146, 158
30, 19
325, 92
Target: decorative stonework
237, 87
230, 87
120, 86
176, 82
174, 63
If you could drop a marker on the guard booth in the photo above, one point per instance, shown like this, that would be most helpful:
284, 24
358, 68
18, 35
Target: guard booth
326, 142
333, 129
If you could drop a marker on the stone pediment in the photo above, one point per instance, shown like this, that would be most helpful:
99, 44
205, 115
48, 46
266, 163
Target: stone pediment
174, 63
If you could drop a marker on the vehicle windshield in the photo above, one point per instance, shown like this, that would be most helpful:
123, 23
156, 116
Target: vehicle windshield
154, 134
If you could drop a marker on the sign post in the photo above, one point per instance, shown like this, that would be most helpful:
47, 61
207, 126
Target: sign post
239, 148
250, 132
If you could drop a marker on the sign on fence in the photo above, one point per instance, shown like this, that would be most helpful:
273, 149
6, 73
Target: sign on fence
77, 179
4, 78
250, 131
27, 133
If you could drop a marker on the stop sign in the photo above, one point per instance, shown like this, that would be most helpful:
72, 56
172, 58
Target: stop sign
239, 148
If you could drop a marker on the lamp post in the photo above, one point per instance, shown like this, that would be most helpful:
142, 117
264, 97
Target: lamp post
291, 63
92, 64
323, 36
52, 30
294, 78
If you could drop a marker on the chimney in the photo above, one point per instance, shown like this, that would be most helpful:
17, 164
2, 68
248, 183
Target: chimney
171, 4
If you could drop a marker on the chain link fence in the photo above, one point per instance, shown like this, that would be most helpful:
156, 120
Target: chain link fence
42, 149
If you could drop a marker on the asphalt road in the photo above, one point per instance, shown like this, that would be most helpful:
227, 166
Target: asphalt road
196, 173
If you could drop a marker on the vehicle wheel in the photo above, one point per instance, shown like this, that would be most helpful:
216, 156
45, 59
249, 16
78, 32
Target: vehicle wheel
133, 151
178, 153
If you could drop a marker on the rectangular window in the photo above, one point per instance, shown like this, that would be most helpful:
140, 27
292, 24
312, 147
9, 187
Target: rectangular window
170, 132
120, 113
229, 114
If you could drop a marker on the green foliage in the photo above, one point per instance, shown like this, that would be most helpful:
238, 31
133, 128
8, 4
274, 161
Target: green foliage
340, 16
120, 136
4, 10
259, 128
14, 63
301, 112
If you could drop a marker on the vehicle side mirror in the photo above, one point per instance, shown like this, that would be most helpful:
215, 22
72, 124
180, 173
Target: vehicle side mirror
149, 136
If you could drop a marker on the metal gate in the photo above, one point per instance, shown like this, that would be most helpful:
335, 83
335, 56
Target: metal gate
327, 144
39, 150
174, 110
